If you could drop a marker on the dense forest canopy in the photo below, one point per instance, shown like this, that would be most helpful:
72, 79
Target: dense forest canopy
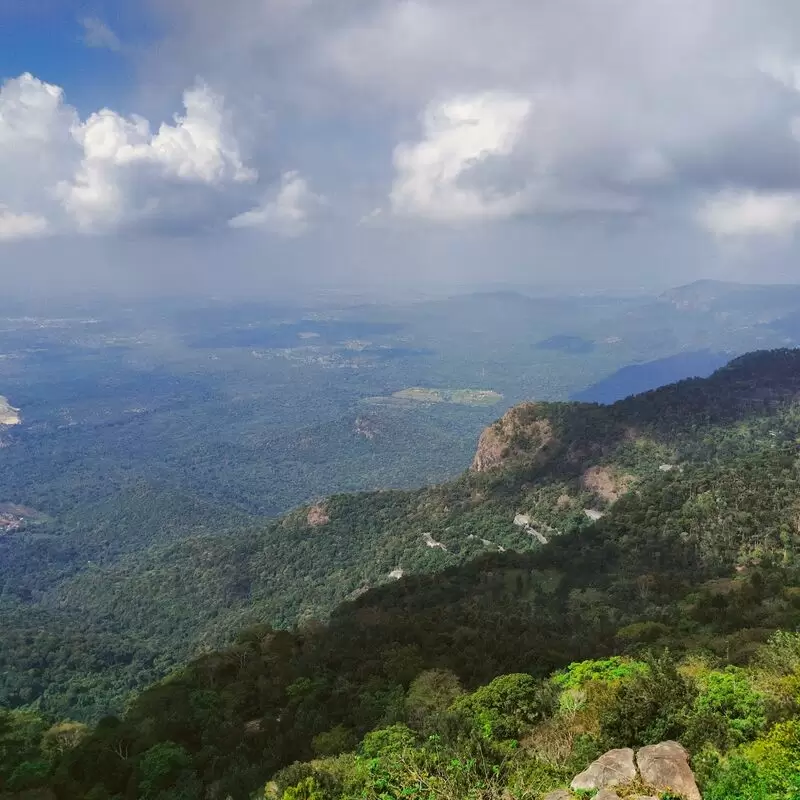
686, 571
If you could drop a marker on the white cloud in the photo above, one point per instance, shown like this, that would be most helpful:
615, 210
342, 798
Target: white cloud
739, 213
109, 172
128, 174
433, 175
286, 212
21, 226
97, 34
36, 150
32, 113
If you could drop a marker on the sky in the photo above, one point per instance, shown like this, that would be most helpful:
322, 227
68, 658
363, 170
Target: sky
253, 147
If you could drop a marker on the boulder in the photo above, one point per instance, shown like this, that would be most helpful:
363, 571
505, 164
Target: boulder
558, 794
614, 768
665, 767
606, 794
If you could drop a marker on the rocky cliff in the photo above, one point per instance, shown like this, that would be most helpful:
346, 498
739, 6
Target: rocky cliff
523, 431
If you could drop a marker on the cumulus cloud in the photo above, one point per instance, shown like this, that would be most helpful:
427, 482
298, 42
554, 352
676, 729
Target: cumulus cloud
36, 150
129, 174
97, 34
633, 106
433, 175
108, 172
573, 122
737, 213
286, 212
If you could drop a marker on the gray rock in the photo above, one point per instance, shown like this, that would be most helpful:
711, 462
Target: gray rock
606, 794
614, 768
665, 767
558, 794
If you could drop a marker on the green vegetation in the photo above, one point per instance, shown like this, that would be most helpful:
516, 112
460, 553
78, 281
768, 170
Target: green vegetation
508, 671
519, 736
464, 397
141, 563
681, 544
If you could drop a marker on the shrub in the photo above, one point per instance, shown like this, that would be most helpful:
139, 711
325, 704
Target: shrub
508, 706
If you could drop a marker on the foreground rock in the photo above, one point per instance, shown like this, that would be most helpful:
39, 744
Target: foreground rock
665, 767
614, 768
655, 769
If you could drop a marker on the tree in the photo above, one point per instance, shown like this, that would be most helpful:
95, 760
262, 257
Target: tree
62, 737
429, 696
508, 705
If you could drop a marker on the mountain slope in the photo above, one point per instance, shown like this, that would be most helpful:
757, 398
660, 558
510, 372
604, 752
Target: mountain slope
555, 470
702, 556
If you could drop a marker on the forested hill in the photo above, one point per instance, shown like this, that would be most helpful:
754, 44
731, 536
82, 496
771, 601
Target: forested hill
543, 473
670, 521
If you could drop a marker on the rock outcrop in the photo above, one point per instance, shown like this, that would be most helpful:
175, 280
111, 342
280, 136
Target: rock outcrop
614, 768
606, 794
653, 770
8, 414
522, 432
606, 483
665, 767
317, 516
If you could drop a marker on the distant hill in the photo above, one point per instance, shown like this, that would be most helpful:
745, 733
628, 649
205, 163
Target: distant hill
710, 295
638, 378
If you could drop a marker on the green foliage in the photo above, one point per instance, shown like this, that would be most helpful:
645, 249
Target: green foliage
608, 670
430, 695
767, 769
163, 772
727, 710
305, 790
337, 740
22, 764
385, 741
508, 706
651, 706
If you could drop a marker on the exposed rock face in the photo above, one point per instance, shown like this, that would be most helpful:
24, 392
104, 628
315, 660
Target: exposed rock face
614, 768
665, 767
520, 433
8, 414
606, 794
317, 516
606, 483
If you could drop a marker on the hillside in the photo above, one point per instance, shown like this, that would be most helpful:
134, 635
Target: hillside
693, 547
545, 472
8, 414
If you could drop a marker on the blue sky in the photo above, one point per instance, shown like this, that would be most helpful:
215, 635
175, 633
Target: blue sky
398, 141
48, 39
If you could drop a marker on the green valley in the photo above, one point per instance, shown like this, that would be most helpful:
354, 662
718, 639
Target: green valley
696, 488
